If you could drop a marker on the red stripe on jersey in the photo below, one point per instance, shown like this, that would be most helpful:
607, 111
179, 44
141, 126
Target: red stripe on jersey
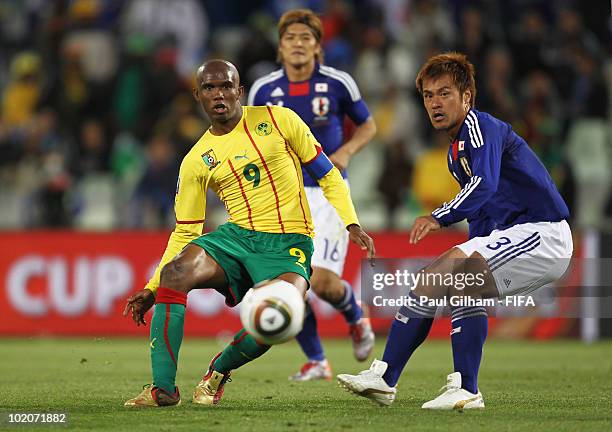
190, 222
265, 165
274, 122
297, 167
319, 151
455, 150
299, 172
246, 201
299, 89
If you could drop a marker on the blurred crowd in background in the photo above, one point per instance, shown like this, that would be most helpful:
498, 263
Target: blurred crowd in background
97, 112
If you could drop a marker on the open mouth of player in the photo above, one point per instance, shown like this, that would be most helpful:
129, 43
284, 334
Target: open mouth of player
220, 109
438, 117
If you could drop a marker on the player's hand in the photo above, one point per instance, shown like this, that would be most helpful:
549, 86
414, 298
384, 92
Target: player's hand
340, 159
364, 241
138, 304
422, 226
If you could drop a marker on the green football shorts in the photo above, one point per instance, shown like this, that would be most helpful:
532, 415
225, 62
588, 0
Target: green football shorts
249, 257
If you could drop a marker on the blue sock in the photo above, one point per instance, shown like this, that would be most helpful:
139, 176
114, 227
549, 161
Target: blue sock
308, 338
470, 325
348, 305
409, 329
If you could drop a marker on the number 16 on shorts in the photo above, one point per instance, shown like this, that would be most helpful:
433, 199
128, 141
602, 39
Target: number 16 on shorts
330, 251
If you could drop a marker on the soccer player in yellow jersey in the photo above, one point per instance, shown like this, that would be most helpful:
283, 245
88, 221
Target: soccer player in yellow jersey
251, 157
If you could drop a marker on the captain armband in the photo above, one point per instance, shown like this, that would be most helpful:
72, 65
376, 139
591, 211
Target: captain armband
319, 166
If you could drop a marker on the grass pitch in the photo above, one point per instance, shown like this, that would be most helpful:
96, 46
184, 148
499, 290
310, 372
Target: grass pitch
527, 386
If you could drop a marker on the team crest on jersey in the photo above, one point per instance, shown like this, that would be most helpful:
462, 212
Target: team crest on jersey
465, 165
320, 106
210, 159
264, 128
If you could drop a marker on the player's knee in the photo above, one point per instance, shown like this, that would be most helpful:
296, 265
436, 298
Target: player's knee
174, 275
483, 281
328, 286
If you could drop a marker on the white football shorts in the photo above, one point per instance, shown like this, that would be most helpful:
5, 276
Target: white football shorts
525, 257
331, 236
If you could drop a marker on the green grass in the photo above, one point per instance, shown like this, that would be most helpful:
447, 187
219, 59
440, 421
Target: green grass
528, 386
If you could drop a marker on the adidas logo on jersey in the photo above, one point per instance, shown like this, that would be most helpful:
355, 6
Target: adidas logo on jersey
277, 92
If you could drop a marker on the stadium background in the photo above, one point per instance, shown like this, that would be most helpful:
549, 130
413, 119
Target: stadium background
97, 114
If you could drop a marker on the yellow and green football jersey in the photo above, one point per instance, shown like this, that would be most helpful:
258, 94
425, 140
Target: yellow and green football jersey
256, 171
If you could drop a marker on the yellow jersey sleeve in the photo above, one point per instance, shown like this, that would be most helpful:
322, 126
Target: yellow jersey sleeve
190, 210
297, 134
302, 141
337, 193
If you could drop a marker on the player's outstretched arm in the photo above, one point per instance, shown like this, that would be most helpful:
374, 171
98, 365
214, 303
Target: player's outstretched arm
423, 225
190, 211
337, 193
138, 304
320, 168
358, 236
361, 137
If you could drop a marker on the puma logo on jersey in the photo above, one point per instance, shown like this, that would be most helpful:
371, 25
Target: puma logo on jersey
243, 156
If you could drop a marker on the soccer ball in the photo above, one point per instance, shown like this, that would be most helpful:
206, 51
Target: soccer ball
273, 312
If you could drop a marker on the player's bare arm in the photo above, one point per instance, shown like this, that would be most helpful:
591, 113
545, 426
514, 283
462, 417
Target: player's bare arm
358, 236
364, 133
138, 304
423, 225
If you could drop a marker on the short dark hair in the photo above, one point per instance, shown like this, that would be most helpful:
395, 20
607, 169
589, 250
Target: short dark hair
306, 17
454, 64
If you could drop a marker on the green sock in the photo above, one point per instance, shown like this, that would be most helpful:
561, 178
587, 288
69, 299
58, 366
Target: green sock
166, 338
240, 351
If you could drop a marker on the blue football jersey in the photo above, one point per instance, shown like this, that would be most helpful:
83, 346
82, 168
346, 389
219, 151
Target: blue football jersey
503, 183
322, 102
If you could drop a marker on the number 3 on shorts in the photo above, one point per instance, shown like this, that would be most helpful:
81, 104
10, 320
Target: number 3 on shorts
499, 243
